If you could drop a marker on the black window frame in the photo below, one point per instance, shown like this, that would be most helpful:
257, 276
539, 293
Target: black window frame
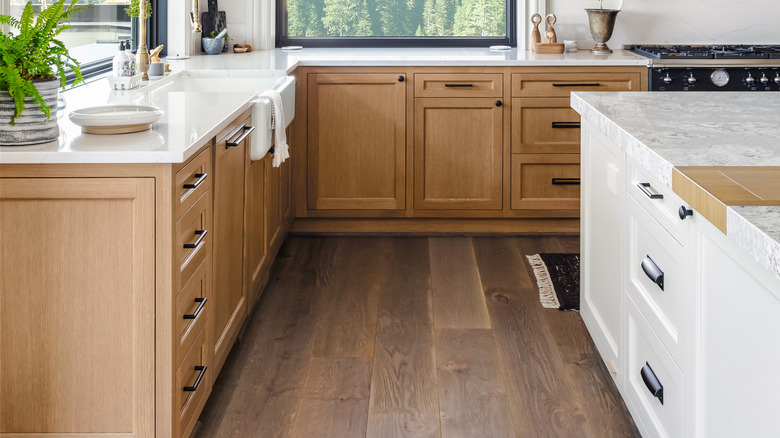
282, 39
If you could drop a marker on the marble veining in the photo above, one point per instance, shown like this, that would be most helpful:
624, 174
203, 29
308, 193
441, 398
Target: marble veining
757, 231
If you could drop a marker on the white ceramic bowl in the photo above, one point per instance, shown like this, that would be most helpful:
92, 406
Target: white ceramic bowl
110, 119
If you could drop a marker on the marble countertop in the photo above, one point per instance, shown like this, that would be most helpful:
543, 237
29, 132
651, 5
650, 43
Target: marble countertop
662, 131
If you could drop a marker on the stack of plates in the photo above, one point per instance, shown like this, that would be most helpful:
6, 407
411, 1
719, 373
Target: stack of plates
116, 119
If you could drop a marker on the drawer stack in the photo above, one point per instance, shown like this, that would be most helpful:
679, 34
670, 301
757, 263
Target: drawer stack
192, 250
545, 167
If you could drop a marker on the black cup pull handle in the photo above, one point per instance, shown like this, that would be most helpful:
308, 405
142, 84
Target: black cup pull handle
401, 78
201, 177
458, 85
577, 85
652, 383
201, 234
645, 188
653, 272
566, 181
202, 373
194, 315
566, 125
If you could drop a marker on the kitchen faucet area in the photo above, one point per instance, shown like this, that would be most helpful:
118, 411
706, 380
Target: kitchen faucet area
433, 218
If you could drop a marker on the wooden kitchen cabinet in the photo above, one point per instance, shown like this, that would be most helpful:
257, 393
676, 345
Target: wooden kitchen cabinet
356, 142
544, 126
545, 181
458, 153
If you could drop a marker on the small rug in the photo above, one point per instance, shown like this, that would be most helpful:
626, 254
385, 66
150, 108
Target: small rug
558, 279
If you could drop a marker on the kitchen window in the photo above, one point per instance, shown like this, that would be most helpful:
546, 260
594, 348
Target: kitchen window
97, 30
383, 23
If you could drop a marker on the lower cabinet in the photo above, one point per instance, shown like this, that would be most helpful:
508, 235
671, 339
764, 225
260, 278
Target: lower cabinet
545, 181
123, 286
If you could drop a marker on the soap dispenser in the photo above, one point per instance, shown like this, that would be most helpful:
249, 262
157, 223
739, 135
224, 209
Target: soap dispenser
119, 60
130, 59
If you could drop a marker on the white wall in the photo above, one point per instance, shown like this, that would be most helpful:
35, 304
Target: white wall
675, 21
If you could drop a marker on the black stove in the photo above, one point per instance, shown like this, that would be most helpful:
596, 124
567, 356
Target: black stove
713, 68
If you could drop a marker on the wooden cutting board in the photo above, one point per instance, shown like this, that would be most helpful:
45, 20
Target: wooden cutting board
213, 21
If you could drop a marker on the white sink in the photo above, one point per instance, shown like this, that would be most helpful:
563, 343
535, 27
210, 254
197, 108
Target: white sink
237, 82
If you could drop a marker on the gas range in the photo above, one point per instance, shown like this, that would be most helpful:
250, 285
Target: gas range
713, 68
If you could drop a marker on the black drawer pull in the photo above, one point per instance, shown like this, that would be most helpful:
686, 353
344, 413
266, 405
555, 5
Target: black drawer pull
401, 78
577, 85
202, 302
201, 234
566, 125
194, 387
652, 382
653, 272
566, 181
684, 212
645, 188
235, 142
458, 85
201, 177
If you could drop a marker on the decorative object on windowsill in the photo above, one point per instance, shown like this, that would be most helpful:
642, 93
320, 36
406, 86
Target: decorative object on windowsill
536, 37
142, 10
602, 23
242, 48
32, 69
213, 20
215, 44
550, 44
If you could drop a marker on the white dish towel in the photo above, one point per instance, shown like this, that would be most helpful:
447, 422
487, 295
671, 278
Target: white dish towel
281, 149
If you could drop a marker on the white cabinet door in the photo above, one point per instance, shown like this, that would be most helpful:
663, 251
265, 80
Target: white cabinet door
740, 343
603, 196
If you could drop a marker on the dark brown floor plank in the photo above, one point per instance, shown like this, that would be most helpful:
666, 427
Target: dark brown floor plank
472, 397
541, 396
404, 400
347, 326
334, 402
458, 301
258, 391
603, 406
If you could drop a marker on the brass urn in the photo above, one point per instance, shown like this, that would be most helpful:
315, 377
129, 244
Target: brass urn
602, 23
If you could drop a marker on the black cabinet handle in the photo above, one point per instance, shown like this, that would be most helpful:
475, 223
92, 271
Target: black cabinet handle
458, 85
235, 142
645, 188
566, 181
499, 103
653, 272
201, 177
201, 234
272, 150
194, 315
577, 85
401, 78
652, 383
194, 387
566, 125
684, 212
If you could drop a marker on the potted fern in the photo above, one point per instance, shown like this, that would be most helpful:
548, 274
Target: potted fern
32, 70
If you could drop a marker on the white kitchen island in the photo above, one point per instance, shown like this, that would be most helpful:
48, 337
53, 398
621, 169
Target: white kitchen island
680, 250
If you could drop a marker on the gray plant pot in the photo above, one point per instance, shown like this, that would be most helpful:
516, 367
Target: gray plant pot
31, 127
213, 46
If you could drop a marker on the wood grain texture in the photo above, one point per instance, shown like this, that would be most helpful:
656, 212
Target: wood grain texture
541, 84
458, 301
347, 325
334, 402
541, 396
403, 381
472, 397
532, 181
476, 85
532, 126
434, 226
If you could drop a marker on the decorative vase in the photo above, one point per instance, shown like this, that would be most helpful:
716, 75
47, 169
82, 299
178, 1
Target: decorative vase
31, 126
602, 23
213, 46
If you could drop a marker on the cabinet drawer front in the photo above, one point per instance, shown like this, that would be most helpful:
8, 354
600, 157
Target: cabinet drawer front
193, 241
193, 385
658, 280
562, 84
192, 181
548, 181
660, 201
650, 367
191, 308
543, 126
458, 85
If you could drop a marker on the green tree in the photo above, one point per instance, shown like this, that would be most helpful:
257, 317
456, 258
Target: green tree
480, 18
444, 16
346, 18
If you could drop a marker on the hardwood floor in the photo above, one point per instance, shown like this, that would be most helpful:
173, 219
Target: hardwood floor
413, 337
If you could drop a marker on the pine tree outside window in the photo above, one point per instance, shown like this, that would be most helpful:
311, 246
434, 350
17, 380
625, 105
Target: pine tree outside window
383, 23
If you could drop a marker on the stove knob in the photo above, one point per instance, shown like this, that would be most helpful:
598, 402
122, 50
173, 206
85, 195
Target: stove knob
668, 79
750, 79
764, 79
777, 79
691, 79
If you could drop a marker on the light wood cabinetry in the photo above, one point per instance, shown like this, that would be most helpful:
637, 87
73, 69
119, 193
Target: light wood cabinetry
356, 141
544, 126
545, 181
458, 153
118, 280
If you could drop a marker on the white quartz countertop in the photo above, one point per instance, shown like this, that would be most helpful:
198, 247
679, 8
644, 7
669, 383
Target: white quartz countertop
664, 130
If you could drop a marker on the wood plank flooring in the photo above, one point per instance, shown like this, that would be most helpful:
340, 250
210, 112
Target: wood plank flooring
413, 337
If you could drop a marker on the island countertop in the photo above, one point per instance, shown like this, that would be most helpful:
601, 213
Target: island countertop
667, 132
